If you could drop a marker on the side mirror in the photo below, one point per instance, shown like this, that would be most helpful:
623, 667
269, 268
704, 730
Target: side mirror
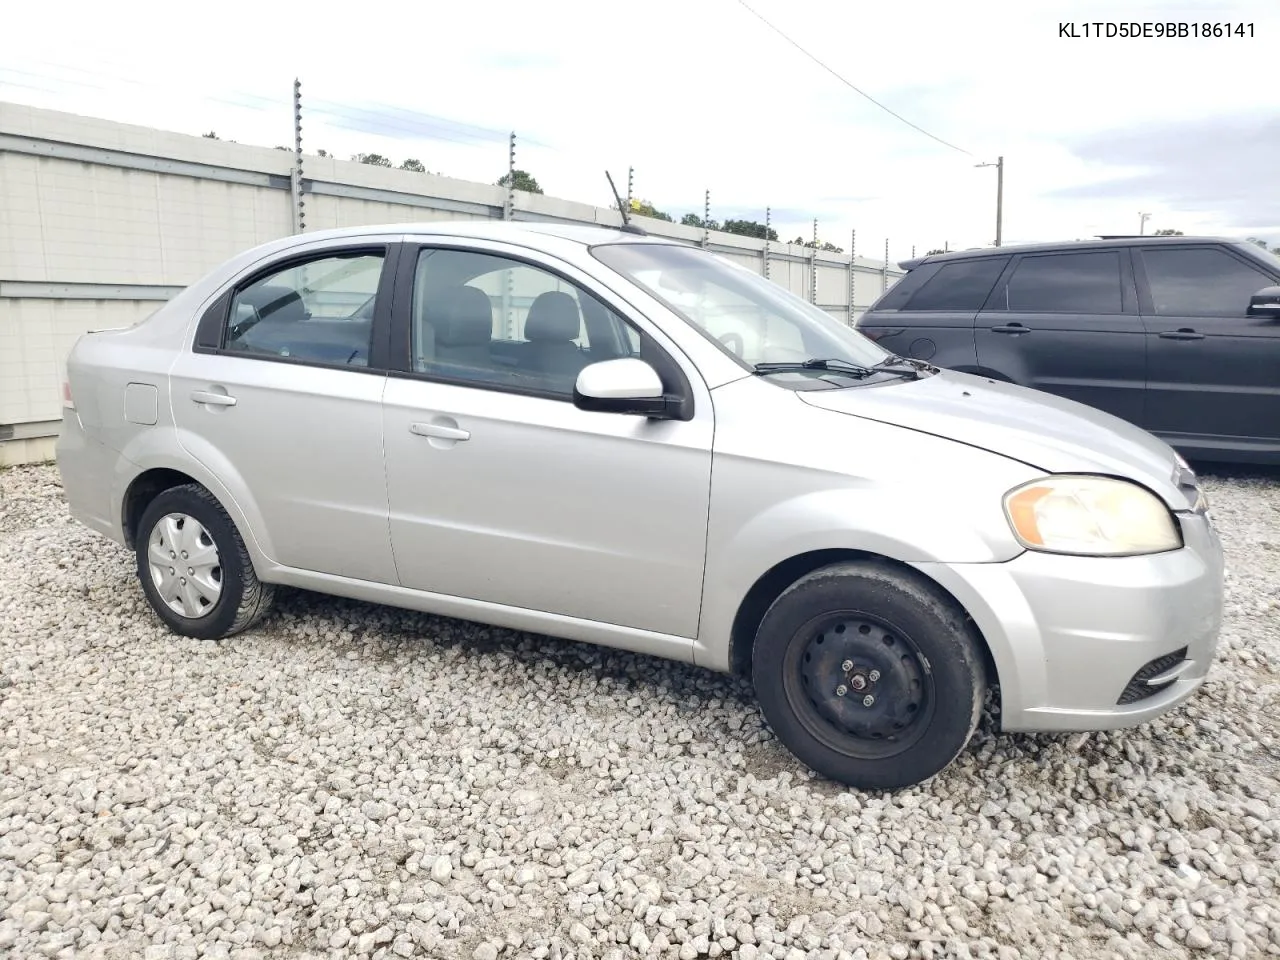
627, 385
1265, 303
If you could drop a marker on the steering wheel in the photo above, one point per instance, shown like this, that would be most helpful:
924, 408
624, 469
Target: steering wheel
726, 339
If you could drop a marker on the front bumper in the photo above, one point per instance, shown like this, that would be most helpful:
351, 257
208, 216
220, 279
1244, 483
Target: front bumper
1076, 639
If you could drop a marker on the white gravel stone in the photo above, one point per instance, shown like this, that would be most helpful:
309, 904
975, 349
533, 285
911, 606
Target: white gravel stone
351, 780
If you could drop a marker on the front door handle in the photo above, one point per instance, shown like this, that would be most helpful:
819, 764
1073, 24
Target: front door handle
1186, 333
213, 399
439, 431
1011, 328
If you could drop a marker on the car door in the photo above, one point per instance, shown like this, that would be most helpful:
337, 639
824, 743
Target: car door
1067, 322
280, 398
501, 490
1214, 370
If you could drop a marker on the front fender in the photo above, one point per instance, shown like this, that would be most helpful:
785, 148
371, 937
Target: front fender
891, 520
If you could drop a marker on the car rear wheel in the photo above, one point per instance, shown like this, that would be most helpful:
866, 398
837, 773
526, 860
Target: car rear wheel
870, 676
194, 568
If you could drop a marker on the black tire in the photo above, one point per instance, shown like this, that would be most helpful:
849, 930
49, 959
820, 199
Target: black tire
242, 599
913, 656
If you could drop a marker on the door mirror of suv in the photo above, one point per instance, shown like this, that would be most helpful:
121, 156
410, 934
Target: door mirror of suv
628, 385
1265, 303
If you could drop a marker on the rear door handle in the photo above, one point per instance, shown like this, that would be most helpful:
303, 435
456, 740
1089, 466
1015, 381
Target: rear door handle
439, 431
1011, 328
1183, 334
213, 399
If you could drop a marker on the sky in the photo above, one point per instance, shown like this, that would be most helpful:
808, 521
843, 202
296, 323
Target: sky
701, 95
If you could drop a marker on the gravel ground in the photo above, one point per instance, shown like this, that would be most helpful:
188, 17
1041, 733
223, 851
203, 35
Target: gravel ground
356, 781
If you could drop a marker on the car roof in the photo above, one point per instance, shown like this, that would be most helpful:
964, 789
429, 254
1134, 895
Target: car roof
1109, 242
580, 233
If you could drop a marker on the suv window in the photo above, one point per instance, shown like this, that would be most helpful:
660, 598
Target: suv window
1063, 283
498, 322
1200, 282
961, 286
320, 311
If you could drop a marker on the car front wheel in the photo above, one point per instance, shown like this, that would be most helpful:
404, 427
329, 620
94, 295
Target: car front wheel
868, 675
194, 568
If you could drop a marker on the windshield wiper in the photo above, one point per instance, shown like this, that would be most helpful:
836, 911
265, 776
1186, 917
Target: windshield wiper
835, 365
895, 364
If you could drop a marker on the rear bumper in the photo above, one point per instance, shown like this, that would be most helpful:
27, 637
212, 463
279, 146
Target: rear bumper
88, 472
1076, 639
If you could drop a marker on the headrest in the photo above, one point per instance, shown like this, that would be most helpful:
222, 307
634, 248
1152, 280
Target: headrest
553, 316
274, 303
461, 316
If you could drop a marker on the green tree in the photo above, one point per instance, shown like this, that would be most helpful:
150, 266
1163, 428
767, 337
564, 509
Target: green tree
414, 165
749, 228
523, 181
322, 153
935, 250
824, 245
373, 159
1166, 232
693, 220
210, 136
646, 209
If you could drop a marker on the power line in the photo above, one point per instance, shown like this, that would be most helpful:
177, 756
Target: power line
850, 85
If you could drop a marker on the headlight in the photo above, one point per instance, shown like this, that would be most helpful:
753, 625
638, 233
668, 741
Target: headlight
1090, 516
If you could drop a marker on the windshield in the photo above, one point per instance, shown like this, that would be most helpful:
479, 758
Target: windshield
753, 320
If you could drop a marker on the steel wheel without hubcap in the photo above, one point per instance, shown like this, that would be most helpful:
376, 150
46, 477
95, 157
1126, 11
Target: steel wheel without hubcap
185, 566
859, 685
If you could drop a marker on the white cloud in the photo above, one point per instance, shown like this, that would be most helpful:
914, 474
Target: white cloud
695, 94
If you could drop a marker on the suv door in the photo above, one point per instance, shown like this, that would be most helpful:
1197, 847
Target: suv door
280, 398
1214, 370
929, 313
1067, 322
501, 490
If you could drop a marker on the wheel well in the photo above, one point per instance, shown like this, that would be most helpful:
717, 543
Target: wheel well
770, 586
145, 488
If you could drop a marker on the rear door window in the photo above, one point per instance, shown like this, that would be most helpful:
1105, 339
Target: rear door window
1063, 283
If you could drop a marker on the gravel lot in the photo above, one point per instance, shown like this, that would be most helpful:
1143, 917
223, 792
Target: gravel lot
356, 781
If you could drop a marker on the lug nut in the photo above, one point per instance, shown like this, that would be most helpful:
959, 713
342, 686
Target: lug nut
859, 681
841, 690
191, 571
868, 700
874, 675
847, 666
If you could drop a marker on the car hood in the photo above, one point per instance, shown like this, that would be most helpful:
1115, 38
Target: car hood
1039, 429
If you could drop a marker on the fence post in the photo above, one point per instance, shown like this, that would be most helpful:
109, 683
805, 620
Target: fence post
884, 273
766, 242
295, 175
813, 265
630, 180
509, 205
706, 221
853, 267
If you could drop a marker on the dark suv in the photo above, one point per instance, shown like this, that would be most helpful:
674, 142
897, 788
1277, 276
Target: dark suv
1180, 335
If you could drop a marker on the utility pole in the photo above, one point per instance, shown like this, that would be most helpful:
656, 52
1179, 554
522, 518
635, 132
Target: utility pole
999, 165
1142, 223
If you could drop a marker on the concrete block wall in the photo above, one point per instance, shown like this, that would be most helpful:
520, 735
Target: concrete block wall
100, 222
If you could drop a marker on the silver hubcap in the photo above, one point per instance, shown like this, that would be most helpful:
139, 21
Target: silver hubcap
185, 566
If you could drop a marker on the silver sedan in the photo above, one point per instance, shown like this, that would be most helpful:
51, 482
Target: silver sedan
607, 437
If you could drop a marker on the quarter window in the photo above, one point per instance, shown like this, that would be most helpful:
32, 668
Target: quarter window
959, 286
494, 321
1200, 282
1064, 283
319, 311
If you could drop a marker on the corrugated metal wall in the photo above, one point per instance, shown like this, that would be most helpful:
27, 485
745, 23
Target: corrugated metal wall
100, 222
